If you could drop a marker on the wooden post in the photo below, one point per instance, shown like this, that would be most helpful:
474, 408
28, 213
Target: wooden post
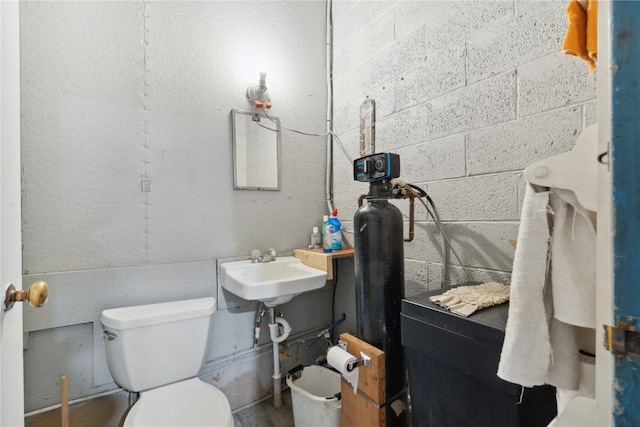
358, 410
64, 401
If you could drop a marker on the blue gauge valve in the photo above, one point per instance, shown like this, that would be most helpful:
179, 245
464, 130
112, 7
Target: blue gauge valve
376, 167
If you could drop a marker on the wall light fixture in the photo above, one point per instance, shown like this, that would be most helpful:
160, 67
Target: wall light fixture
258, 94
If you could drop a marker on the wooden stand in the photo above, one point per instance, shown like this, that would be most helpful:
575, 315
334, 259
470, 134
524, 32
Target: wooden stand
365, 408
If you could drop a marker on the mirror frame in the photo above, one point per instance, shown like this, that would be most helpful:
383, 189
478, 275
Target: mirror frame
234, 136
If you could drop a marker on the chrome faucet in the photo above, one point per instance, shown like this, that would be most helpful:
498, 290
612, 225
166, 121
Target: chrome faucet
267, 256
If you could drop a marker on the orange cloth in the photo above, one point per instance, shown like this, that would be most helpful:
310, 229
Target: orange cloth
581, 38
592, 30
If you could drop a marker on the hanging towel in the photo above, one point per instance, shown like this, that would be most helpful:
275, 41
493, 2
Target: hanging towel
552, 291
525, 352
573, 260
581, 38
466, 300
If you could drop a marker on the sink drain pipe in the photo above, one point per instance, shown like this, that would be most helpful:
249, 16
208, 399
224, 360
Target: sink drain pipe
274, 329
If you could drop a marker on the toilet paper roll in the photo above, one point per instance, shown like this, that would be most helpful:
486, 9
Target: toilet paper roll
340, 359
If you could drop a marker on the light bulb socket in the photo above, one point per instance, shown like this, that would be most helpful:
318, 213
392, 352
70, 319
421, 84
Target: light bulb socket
258, 94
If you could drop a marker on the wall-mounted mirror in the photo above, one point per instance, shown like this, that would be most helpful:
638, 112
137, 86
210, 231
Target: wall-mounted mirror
256, 151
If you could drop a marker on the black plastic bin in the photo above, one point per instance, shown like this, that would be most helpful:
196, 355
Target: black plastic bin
452, 363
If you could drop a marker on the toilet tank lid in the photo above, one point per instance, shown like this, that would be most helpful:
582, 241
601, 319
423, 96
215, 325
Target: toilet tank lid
153, 314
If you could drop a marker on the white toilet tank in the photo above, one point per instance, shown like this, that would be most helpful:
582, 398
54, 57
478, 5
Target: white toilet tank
156, 344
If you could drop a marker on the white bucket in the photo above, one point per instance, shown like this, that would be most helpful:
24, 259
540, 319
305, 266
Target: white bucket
313, 396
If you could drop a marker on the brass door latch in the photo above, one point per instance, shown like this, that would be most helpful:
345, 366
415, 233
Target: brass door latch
622, 340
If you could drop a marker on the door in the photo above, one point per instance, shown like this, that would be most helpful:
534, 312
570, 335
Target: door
11, 378
625, 168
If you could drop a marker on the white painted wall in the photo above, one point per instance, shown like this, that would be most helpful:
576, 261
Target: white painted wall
468, 94
114, 92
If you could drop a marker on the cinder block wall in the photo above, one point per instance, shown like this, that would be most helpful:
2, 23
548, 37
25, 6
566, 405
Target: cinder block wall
468, 93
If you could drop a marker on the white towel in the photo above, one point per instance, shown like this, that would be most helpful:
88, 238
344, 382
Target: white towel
526, 349
563, 367
552, 291
573, 260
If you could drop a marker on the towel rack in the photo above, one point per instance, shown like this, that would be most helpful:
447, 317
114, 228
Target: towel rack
575, 170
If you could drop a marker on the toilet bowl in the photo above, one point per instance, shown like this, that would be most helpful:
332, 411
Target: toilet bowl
158, 350
187, 403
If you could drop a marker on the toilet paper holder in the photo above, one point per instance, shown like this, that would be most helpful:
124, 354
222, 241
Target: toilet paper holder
363, 360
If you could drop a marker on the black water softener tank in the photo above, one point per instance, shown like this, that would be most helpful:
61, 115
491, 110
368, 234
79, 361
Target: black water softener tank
379, 265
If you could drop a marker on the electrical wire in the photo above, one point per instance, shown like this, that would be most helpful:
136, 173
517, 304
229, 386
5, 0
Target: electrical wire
330, 132
329, 156
445, 247
333, 296
267, 127
321, 335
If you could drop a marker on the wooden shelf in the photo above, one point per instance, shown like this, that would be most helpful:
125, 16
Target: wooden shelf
316, 258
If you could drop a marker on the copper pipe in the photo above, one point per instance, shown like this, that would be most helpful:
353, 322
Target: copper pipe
411, 217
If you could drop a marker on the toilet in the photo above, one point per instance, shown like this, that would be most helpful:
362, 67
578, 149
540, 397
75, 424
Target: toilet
158, 350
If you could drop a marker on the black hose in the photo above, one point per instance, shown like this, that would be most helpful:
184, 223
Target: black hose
333, 297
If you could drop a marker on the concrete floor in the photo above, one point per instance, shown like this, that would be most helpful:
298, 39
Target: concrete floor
264, 414
104, 411
110, 411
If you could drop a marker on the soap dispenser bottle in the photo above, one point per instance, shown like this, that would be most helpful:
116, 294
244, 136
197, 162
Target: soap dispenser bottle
316, 239
326, 237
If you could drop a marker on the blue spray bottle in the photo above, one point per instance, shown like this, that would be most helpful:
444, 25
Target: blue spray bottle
335, 231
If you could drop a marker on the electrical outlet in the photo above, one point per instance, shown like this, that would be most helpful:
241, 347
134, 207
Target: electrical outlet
146, 185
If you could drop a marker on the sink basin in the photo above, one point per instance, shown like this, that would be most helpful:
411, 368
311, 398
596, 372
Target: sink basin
274, 282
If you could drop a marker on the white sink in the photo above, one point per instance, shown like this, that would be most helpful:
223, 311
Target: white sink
274, 282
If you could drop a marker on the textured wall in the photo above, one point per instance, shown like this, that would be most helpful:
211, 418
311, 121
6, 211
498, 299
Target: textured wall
114, 92
468, 93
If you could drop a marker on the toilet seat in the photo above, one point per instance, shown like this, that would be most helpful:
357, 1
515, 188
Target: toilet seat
186, 403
